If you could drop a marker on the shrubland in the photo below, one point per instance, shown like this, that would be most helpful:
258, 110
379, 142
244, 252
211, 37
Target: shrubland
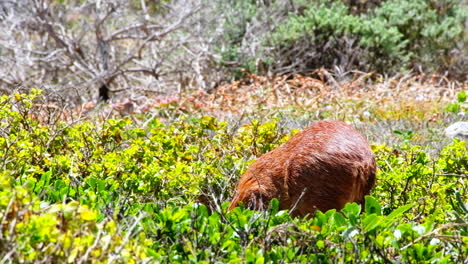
125, 125
156, 186
391, 37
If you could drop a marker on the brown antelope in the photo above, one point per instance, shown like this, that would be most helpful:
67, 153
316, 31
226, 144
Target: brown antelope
323, 167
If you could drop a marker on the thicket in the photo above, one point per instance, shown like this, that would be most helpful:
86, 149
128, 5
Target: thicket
108, 190
388, 37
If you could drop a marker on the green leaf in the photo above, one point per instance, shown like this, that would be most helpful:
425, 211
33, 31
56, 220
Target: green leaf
274, 206
454, 108
372, 206
202, 210
260, 260
43, 182
339, 219
461, 97
352, 211
370, 222
389, 219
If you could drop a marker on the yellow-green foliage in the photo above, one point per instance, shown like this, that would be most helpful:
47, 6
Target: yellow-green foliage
33, 230
99, 191
92, 161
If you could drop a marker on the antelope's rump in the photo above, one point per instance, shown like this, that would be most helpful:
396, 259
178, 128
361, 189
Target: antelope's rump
322, 167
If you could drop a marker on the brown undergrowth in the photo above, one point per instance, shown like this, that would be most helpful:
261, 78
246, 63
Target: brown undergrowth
351, 96
408, 97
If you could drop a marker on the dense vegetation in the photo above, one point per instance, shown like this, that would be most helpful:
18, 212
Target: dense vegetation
382, 36
125, 126
110, 190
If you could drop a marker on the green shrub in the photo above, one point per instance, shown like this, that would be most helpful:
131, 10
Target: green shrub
106, 190
94, 162
327, 35
392, 36
433, 31
408, 172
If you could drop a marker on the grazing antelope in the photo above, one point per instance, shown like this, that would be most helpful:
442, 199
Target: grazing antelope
323, 167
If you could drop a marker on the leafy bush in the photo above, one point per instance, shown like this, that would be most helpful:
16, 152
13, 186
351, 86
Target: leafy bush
328, 35
105, 190
94, 162
392, 36
407, 172
433, 32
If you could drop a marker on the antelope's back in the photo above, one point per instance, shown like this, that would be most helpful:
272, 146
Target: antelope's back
330, 164
323, 167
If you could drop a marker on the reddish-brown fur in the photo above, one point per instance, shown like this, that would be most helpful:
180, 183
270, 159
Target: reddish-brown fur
325, 166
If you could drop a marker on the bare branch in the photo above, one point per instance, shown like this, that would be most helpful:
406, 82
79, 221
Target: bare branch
116, 35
